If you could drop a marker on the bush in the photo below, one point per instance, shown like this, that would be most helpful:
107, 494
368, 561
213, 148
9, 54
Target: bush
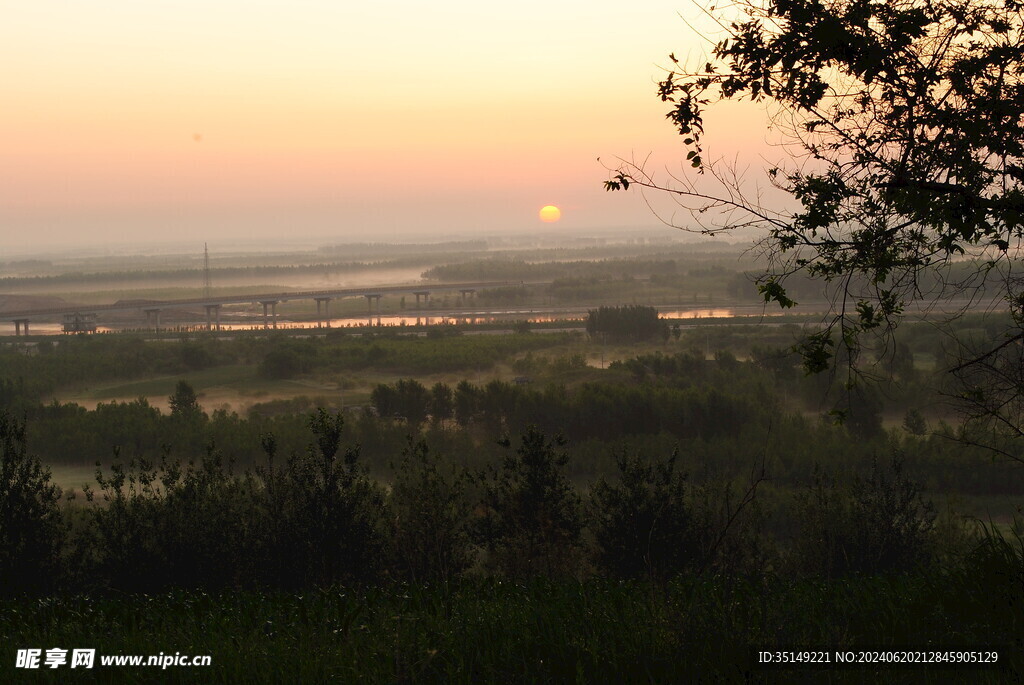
644, 525
286, 359
432, 511
195, 355
531, 524
31, 527
192, 525
985, 587
325, 517
879, 525
316, 520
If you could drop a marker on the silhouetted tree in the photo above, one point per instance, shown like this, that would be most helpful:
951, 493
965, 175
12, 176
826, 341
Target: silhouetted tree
644, 525
31, 527
326, 520
532, 523
442, 402
904, 123
467, 402
880, 524
632, 322
432, 514
184, 402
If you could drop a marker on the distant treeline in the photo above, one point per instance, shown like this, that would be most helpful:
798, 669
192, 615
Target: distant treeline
377, 249
966, 279
652, 400
518, 269
194, 275
713, 409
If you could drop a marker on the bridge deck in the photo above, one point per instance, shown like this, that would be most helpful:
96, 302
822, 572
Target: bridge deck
245, 299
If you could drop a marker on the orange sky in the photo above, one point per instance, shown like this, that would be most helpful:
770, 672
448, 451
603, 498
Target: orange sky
186, 120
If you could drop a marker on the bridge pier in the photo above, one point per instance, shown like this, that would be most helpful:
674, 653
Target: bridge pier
327, 315
153, 313
216, 309
467, 291
273, 309
426, 297
369, 306
17, 326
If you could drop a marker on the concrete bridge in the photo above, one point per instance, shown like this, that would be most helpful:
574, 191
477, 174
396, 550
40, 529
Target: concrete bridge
77, 314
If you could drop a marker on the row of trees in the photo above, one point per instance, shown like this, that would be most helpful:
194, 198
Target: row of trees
631, 322
518, 269
597, 410
314, 518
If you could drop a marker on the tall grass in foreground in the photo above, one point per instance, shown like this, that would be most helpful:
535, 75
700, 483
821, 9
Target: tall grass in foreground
539, 631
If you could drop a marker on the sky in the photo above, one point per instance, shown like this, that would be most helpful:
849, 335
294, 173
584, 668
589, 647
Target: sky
185, 120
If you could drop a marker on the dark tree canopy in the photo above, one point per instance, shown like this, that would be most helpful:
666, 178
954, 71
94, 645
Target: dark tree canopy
630, 322
184, 402
904, 120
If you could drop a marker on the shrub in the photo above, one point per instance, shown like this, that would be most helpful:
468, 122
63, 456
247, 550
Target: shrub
286, 359
325, 517
985, 586
880, 524
31, 527
644, 525
531, 522
432, 510
175, 524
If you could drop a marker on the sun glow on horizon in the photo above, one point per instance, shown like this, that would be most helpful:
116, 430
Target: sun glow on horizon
549, 214
264, 118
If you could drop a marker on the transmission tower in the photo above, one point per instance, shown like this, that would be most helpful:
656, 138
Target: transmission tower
206, 271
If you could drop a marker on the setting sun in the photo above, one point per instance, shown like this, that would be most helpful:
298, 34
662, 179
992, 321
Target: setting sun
550, 214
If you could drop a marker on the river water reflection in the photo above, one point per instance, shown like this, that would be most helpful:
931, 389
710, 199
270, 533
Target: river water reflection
250, 320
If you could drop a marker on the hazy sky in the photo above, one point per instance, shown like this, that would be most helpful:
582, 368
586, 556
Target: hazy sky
179, 120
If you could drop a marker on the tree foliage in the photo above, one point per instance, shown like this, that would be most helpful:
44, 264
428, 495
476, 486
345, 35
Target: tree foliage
167, 524
431, 537
880, 524
632, 322
184, 402
325, 515
31, 528
532, 519
644, 525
